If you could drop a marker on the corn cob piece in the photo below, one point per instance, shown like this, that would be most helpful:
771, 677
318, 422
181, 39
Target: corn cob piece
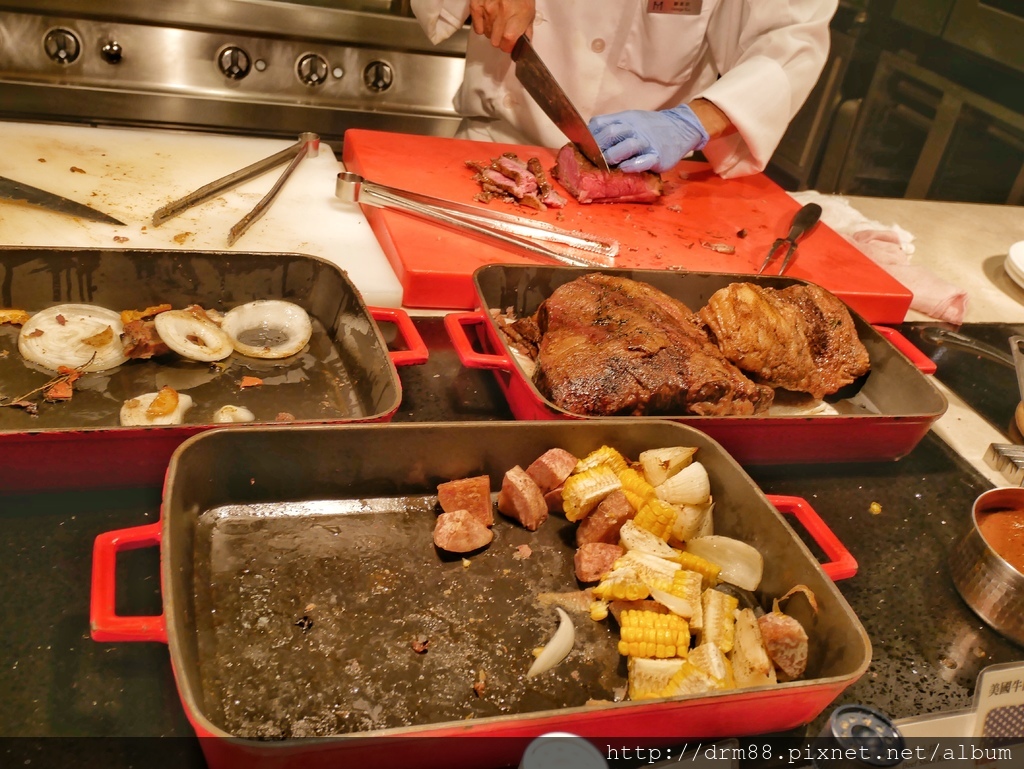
651, 569
661, 464
650, 634
690, 486
605, 455
657, 516
681, 594
710, 659
719, 626
689, 679
598, 610
636, 489
648, 677
581, 493
621, 584
708, 570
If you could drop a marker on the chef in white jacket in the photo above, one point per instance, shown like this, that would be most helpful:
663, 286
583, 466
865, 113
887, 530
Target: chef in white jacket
658, 79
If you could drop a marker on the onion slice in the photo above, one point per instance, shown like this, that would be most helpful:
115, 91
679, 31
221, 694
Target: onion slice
226, 414
557, 649
268, 328
742, 564
81, 336
135, 411
192, 335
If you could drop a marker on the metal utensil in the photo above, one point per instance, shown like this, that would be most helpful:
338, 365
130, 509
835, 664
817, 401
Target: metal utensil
805, 218
949, 337
17, 192
307, 146
511, 230
538, 81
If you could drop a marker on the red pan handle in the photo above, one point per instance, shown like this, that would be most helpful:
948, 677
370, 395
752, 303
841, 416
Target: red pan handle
104, 621
923, 363
455, 323
843, 565
417, 348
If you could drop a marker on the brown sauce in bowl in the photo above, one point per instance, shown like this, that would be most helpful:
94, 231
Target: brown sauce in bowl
1003, 530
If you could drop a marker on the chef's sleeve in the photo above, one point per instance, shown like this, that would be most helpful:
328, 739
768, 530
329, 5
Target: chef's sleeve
440, 19
770, 55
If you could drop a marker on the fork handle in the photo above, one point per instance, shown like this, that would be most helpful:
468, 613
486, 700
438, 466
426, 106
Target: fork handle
805, 218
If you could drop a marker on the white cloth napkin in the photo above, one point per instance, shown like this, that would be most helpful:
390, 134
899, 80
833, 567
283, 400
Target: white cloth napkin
891, 246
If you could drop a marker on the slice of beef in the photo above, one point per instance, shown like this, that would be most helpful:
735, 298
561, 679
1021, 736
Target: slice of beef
548, 195
460, 532
595, 559
141, 341
800, 338
604, 524
551, 468
509, 178
522, 499
472, 494
589, 184
614, 346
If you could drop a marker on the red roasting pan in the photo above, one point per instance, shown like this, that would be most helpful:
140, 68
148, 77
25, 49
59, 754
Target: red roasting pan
887, 414
297, 570
345, 373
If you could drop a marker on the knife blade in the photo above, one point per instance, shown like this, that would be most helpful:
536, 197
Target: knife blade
538, 81
19, 192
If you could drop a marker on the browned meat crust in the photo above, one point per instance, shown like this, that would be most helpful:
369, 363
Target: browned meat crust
614, 346
588, 184
140, 340
799, 338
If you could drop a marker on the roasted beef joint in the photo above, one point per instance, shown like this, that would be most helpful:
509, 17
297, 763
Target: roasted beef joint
588, 184
799, 338
614, 346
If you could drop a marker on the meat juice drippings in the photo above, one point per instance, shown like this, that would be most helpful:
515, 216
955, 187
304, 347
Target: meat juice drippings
1003, 530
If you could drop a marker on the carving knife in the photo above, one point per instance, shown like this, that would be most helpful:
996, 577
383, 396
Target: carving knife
538, 81
16, 192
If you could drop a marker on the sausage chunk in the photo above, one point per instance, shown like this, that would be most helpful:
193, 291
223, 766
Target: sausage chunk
595, 559
522, 499
472, 494
461, 532
604, 523
786, 641
551, 468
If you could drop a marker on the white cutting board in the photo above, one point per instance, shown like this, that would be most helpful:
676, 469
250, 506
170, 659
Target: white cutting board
130, 173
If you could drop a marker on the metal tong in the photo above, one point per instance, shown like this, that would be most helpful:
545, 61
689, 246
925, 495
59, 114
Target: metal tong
308, 145
515, 231
805, 218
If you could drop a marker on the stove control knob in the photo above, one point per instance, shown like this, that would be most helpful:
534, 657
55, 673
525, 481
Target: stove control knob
234, 62
62, 45
112, 52
312, 69
378, 76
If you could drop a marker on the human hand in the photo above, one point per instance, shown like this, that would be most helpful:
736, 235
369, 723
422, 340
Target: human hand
640, 140
503, 21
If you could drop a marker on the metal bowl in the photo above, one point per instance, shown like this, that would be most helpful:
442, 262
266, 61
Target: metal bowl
988, 584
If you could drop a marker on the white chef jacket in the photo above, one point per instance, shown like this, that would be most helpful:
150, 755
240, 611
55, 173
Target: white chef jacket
756, 60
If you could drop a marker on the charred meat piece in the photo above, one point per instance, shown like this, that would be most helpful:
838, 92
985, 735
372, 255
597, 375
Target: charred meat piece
615, 346
471, 494
141, 341
522, 499
800, 338
548, 195
595, 559
509, 178
589, 184
604, 524
460, 532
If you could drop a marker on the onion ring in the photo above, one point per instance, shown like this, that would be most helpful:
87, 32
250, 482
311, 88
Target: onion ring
133, 411
268, 328
193, 335
80, 336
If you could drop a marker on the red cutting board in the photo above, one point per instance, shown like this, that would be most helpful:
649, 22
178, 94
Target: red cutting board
435, 264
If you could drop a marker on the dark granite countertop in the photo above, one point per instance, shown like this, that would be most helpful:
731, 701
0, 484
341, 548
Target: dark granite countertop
928, 647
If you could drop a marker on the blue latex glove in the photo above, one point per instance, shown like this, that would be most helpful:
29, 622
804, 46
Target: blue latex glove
639, 140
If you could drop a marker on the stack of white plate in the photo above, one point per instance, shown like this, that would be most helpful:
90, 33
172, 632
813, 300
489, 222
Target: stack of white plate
1014, 263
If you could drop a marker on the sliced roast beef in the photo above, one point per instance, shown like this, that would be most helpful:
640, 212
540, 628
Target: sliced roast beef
589, 184
615, 346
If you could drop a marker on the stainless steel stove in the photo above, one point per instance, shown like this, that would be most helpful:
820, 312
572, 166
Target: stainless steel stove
253, 67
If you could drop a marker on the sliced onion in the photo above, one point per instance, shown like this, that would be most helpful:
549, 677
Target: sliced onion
268, 328
133, 412
742, 565
558, 647
233, 414
673, 603
192, 335
81, 336
633, 537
